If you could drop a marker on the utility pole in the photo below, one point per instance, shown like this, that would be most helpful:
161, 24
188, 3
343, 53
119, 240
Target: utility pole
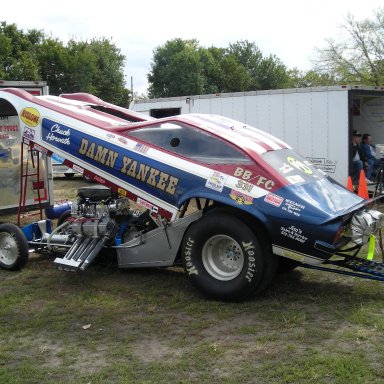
131, 88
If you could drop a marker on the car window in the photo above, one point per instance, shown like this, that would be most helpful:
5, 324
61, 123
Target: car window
191, 143
292, 166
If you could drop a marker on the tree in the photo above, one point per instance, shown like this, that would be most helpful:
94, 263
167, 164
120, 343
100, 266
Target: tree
53, 58
236, 77
95, 67
222, 71
265, 72
182, 67
18, 53
109, 75
176, 69
359, 58
311, 78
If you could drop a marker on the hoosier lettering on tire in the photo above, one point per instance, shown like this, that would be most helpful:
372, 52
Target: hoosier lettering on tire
223, 257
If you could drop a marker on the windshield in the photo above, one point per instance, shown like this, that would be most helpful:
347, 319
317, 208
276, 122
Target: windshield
292, 166
310, 184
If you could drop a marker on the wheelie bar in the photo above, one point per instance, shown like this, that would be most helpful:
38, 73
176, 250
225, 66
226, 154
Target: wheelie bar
364, 269
366, 266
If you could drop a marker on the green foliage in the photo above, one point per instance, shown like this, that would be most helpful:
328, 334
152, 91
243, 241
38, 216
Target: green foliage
176, 69
359, 57
264, 72
311, 78
182, 67
18, 53
95, 67
53, 58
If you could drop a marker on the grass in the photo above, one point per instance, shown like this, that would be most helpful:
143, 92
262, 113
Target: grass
151, 326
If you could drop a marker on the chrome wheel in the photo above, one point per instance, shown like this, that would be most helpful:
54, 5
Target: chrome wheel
222, 257
9, 251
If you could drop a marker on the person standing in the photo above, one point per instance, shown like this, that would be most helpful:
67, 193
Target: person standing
369, 152
359, 161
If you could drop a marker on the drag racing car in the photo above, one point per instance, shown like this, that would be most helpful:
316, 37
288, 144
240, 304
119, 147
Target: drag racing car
229, 202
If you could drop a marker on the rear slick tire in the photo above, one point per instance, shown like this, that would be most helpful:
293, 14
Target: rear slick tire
223, 257
13, 247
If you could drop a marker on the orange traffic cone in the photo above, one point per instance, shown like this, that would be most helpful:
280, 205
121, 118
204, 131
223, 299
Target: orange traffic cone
349, 184
363, 189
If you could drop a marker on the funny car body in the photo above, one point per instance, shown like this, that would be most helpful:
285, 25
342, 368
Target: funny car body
229, 202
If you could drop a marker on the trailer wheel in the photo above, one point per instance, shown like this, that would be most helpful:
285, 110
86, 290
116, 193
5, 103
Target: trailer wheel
223, 257
13, 247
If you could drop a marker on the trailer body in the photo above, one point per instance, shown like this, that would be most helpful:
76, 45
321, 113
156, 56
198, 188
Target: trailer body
317, 122
11, 161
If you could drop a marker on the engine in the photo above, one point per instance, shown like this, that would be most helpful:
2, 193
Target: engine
94, 213
96, 218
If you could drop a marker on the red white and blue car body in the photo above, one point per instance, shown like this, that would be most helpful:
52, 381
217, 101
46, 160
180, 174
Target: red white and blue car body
257, 202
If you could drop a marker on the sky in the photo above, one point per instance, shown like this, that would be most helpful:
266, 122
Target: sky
291, 30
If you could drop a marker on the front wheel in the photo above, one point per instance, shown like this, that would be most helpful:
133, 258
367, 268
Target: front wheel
13, 247
223, 257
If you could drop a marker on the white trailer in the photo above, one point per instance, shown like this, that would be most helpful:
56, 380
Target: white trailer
38, 188
36, 88
317, 122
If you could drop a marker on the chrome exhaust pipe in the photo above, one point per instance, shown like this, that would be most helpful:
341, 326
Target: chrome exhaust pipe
74, 248
97, 248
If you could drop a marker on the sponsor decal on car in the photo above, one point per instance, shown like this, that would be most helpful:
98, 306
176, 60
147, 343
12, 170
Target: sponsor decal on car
59, 134
30, 116
258, 180
299, 165
243, 173
293, 255
78, 169
99, 179
122, 192
147, 205
292, 207
122, 140
216, 181
142, 148
245, 186
286, 168
293, 233
273, 199
29, 133
241, 198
